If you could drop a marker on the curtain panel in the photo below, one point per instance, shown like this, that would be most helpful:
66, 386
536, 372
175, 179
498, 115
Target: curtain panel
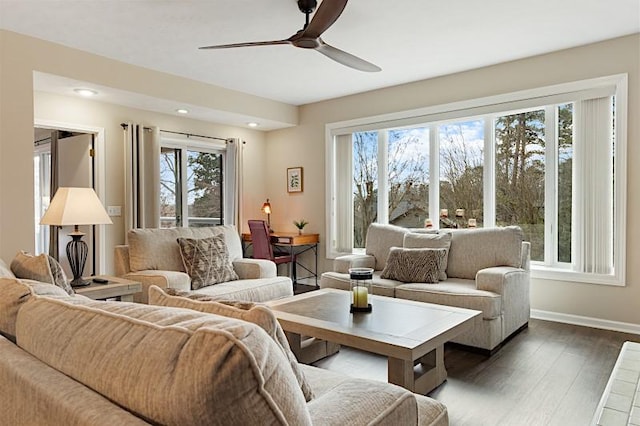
142, 177
233, 188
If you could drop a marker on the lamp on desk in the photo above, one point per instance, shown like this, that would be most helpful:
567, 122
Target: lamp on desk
76, 206
266, 208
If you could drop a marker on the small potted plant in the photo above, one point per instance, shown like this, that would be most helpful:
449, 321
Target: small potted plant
300, 225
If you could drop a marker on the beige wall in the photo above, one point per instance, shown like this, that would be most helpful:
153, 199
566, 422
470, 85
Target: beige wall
20, 56
304, 146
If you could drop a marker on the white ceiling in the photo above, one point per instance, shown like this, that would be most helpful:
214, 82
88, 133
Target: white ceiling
409, 39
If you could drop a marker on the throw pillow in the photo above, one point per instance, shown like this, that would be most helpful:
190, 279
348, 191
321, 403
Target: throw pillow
15, 292
206, 260
414, 265
429, 240
43, 268
247, 311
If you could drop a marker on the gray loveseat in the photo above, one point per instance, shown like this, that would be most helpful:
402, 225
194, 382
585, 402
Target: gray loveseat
152, 257
487, 269
68, 360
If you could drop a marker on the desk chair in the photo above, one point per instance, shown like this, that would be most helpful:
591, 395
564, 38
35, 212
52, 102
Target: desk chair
262, 248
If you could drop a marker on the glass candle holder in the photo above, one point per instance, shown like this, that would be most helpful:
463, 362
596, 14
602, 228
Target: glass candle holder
361, 282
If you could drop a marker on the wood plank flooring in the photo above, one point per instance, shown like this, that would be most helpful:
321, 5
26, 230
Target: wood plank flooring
549, 374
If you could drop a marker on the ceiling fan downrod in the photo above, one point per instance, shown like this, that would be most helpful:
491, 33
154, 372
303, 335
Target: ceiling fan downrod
307, 7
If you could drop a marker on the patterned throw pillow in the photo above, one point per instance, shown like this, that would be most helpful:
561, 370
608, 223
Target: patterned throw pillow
43, 268
247, 311
206, 260
442, 240
414, 265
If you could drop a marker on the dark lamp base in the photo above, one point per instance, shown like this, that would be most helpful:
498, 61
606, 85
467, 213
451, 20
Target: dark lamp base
359, 309
79, 282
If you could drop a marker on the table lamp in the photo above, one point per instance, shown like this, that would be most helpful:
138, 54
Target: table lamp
76, 206
266, 208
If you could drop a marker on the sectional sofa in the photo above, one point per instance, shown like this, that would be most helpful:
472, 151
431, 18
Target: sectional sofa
485, 269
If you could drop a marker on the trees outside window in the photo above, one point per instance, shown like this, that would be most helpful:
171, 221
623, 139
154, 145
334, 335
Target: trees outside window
190, 187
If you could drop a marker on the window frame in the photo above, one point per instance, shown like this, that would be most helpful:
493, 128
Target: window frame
616, 85
191, 144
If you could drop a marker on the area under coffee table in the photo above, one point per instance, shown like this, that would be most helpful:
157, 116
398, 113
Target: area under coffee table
410, 334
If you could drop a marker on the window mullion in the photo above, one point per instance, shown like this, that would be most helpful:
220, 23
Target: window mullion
184, 189
489, 173
434, 174
551, 186
383, 176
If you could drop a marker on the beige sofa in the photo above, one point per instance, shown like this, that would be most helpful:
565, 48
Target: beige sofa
152, 257
68, 360
487, 269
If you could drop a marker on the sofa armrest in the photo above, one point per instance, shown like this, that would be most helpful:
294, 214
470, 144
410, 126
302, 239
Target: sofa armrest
121, 260
343, 263
513, 284
496, 279
248, 269
163, 279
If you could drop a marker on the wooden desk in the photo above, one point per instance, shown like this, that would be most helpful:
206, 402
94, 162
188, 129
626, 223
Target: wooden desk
296, 244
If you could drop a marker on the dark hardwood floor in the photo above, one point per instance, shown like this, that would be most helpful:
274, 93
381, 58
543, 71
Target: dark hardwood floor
549, 374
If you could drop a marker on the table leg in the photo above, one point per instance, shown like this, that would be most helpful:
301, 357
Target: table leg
126, 298
420, 376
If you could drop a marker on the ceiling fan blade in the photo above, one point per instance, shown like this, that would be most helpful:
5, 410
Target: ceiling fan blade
346, 58
328, 12
254, 43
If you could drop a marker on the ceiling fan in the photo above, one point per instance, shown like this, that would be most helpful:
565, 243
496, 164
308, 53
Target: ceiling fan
309, 36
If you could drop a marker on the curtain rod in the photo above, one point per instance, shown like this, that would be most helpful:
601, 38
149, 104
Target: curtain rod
125, 125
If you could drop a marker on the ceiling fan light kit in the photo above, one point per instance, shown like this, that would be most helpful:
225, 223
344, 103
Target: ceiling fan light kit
309, 36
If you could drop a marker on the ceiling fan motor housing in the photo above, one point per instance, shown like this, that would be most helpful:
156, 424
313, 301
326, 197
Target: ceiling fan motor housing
307, 6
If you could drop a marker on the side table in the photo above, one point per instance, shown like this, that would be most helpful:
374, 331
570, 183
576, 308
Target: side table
117, 288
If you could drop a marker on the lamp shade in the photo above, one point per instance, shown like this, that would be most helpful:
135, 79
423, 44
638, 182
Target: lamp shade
266, 207
75, 206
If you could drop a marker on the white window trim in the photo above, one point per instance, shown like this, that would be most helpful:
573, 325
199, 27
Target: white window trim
554, 94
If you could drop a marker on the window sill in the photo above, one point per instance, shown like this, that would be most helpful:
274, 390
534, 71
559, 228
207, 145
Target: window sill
556, 274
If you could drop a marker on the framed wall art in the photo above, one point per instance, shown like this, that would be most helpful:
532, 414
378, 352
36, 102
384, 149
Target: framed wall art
294, 179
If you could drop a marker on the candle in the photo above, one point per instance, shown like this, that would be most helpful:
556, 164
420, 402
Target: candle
360, 297
444, 213
472, 223
459, 212
428, 223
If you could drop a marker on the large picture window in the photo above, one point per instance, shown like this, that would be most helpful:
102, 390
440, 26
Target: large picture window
191, 186
550, 161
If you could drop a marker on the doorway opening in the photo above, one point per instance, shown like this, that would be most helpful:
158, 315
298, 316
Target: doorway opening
62, 158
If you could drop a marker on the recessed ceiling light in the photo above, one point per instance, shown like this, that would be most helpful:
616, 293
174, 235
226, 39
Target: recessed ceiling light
252, 124
85, 92
182, 111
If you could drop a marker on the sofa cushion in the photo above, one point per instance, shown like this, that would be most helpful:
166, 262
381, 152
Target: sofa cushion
434, 241
380, 239
260, 315
380, 286
414, 265
157, 249
14, 293
454, 292
214, 369
206, 260
475, 249
43, 268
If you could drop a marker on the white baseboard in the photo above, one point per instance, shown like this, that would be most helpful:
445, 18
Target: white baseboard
624, 327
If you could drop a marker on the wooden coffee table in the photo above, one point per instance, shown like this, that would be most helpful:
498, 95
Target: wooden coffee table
410, 334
